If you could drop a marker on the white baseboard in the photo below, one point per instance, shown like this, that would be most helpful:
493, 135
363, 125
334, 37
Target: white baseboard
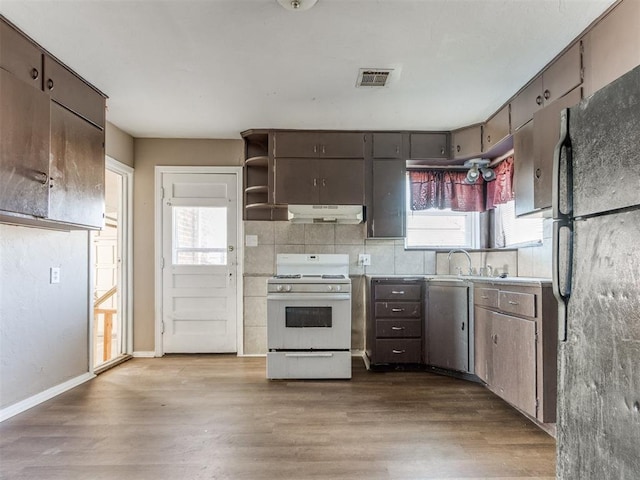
150, 354
41, 397
354, 353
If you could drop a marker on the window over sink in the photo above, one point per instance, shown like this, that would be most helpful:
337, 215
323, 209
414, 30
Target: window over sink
433, 228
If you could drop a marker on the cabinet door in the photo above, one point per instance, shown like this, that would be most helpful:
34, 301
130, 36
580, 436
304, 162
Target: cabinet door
526, 103
20, 57
296, 181
295, 144
67, 89
386, 216
467, 141
341, 181
496, 128
387, 145
428, 145
447, 329
523, 157
612, 47
341, 145
483, 344
77, 170
563, 75
546, 124
514, 361
24, 147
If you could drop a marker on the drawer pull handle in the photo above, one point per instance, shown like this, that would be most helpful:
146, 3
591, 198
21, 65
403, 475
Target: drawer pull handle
398, 352
397, 292
397, 328
495, 339
484, 296
396, 310
511, 302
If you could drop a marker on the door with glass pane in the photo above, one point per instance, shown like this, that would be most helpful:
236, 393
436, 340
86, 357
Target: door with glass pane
199, 216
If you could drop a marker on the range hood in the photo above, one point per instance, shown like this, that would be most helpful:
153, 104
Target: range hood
325, 214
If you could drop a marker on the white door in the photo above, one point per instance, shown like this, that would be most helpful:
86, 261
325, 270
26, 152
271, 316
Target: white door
199, 223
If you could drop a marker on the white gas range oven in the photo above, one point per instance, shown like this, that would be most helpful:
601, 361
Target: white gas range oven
309, 317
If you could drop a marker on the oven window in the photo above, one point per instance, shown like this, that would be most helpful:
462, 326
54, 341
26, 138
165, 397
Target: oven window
305, 317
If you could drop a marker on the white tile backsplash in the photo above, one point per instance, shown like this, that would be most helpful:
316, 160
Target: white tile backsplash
388, 257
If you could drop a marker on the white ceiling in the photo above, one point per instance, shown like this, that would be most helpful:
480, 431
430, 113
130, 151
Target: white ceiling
212, 68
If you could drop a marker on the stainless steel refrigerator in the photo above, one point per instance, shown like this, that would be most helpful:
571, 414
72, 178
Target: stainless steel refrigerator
596, 252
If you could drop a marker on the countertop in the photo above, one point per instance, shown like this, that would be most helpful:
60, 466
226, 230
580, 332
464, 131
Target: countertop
470, 278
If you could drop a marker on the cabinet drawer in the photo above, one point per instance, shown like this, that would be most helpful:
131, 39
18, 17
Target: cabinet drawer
398, 292
398, 328
518, 303
486, 297
398, 351
398, 309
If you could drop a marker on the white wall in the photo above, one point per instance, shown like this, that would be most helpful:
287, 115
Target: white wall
43, 326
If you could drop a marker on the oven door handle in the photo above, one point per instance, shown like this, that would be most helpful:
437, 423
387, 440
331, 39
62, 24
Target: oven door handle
310, 354
308, 298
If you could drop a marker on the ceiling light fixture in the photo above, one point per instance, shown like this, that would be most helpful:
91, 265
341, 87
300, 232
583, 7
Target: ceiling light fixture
478, 166
297, 5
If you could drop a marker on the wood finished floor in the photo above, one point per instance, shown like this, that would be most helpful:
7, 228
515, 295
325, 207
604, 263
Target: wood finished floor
217, 417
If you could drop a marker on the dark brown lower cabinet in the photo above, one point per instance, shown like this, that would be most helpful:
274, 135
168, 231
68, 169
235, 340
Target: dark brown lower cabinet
505, 357
515, 345
394, 322
76, 170
24, 147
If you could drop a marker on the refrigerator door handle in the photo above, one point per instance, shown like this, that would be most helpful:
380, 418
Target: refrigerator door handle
562, 220
562, 295
563, 144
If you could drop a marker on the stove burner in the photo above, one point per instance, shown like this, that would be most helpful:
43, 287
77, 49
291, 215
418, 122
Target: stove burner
288, 276
333, 276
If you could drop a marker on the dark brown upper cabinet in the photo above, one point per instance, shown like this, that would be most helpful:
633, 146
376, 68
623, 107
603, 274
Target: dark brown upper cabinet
562, 76
20, 56
611, 47
386, 216
496, 129
387, 145
24, 147
324, 181
52, 139
433, 145
533, 153
386, 195
314, 144
77, 170
466, 142
68, 90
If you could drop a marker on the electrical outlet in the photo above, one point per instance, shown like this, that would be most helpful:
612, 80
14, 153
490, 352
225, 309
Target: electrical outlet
364, 259
54, 275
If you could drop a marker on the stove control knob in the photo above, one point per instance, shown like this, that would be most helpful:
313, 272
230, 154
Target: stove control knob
288, 288
330, 287
279, 288
338, 288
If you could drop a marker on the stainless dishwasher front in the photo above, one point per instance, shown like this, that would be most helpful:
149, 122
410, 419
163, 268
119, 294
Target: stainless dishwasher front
448, 325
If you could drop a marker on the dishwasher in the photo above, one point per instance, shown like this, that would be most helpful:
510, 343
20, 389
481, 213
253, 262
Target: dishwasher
448, 332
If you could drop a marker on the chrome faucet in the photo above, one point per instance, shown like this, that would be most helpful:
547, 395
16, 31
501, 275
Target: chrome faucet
470, 272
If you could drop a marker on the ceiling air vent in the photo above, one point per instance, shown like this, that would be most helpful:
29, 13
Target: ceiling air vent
373, 77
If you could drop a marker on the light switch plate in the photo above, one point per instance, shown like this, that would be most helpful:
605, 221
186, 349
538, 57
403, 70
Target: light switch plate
251, 240
54, 275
